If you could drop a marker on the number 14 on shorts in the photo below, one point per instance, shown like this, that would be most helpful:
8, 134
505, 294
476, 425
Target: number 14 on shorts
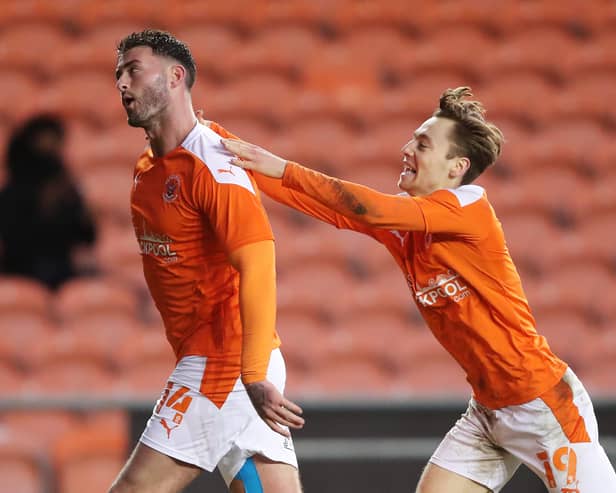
178, 402
564, 459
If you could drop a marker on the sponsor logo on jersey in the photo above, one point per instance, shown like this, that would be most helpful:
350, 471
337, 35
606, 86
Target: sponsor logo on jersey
444, 286
156, 244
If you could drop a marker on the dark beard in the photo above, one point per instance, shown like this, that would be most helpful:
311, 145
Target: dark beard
153, 101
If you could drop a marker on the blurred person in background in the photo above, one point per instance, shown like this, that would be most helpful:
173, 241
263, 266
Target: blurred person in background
527, 405
208, 258
44, 222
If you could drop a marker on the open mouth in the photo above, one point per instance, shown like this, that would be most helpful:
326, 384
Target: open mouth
408, 170
127, 101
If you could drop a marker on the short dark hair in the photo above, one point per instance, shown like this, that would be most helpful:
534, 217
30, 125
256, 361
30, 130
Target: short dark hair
165, 44
473, 136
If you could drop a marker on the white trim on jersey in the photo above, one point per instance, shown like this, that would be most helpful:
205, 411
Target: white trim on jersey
467, 194
204, 143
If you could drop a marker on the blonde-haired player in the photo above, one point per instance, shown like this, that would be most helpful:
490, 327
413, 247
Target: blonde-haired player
527, 405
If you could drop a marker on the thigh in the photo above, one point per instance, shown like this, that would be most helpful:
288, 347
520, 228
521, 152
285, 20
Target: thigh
468, 459
435, 479
261, 475
149, 471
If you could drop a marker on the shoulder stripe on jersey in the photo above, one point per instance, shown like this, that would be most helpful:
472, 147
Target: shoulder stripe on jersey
467, 194
205, 144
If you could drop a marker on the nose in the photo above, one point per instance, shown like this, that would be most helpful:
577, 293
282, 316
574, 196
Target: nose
121, 83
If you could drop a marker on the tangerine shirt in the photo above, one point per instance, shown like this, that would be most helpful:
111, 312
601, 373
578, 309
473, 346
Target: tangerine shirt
190, 209
452, 251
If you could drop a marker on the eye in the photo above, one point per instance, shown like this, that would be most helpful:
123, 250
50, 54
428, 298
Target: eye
421, 146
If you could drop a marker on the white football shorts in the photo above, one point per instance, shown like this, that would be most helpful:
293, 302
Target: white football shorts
187, 426
555, 435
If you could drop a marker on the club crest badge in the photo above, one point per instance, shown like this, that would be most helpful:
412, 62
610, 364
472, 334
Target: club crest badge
172, 188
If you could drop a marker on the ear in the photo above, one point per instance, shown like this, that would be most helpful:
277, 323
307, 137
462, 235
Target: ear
460, 168
177, 74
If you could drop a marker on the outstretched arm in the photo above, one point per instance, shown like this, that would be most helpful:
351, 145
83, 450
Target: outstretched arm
273, 188
355, 202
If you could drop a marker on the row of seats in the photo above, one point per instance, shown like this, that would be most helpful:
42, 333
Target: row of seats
294, 50
97, 342
61, 451
340, 15
335, 92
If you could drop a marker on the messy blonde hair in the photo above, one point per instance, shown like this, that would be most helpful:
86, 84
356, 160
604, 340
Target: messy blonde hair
472, 136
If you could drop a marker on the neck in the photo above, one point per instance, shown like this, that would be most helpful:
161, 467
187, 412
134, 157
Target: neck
170, 129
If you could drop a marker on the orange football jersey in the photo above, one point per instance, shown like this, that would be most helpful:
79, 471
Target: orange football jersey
452, 251
190, 208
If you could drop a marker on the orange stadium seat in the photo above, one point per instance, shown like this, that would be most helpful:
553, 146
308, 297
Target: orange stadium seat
579, 283
334, 70
21, 94
436, 377
47, 11
351, 376
18, 39
231, 13
11, 379
323, 291
534, 49
265, 95
107, 190
23, 468
279, 50
378, 47
385, 292
85, 95
551, 189
596, 54
75, 376
88, 296
20, 294
585, 95
90, 456
143, 13
303, 337
531, 239
369, 335
215, 48
95, 49
569, 333
109, 151
144, 379
117, 252
318, 143
19, 332
315, 244
596, 232
432, 15
39, 428
143, 346
524, 95
449, 49
570, 15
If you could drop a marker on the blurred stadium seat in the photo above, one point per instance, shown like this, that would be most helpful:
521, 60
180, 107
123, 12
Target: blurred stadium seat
85, 297
23, 468
39, 428
534, 49
24, 295
16, 41
90, 455
70, 376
